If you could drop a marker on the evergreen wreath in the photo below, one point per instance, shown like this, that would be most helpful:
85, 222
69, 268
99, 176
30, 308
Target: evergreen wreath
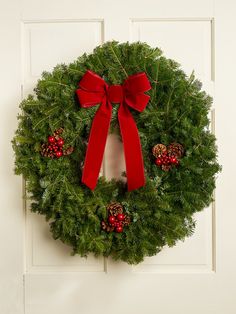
51, 141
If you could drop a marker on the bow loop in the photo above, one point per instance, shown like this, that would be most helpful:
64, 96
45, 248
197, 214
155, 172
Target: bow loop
137, 101
89, 99
94, 90
134, 87
137, 83
92, 82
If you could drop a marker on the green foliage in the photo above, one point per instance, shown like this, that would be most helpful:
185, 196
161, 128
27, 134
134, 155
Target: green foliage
162, 210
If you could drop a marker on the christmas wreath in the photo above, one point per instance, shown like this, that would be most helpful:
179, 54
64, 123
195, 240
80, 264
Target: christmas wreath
170, 152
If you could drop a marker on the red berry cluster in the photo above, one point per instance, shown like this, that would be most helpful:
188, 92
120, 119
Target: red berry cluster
167, 157
117, 222
54, 146
116, 219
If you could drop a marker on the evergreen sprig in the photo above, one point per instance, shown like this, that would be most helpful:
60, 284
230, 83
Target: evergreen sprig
162, 211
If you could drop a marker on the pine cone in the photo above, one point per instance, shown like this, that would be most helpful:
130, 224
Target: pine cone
114, 209
58, 132
68, 151
165, 167
104, 225
159, 150
107, 227
46, 151
127, 221
176, 149
43, 149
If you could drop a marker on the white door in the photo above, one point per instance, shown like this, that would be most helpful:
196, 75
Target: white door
38, 276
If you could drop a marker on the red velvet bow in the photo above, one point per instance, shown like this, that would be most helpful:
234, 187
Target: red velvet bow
94, 90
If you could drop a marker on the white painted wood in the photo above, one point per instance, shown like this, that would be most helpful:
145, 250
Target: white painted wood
47, 43
11, 222
185, 40
196, 276
47, 255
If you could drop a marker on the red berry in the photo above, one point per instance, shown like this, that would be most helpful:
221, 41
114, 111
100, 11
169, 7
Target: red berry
51, 139
173, 160
120, 217
60, 142
119, 229
59, 153
112, 220
158, 161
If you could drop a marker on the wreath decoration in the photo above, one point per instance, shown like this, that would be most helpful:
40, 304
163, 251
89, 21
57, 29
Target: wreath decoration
170, 166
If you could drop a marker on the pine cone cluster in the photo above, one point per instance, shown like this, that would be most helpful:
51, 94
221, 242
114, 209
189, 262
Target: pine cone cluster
54, 146
116, 218
167, 156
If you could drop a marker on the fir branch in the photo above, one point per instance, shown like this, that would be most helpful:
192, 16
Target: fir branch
117, 59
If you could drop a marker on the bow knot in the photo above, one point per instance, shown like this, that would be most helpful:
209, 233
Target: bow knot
115, 94
93, 91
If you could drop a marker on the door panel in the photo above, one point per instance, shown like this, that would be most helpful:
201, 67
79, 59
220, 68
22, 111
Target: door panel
45, 254
47, 43
189, 42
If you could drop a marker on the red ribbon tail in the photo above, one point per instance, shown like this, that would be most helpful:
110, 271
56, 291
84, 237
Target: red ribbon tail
96, 145
132, 149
